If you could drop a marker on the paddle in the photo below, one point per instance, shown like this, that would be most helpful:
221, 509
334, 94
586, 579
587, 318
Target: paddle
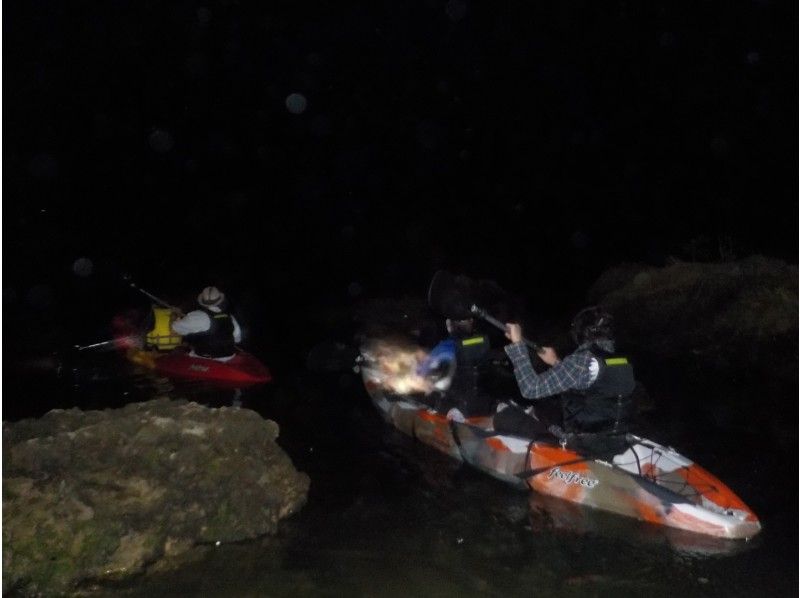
455, 297
451, 296
481, 313
104, 343
161, 302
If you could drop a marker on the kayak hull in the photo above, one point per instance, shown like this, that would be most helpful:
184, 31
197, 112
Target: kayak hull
242, 369
645, 481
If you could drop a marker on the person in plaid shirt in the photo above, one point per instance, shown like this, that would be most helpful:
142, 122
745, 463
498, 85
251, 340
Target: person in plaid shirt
593, 385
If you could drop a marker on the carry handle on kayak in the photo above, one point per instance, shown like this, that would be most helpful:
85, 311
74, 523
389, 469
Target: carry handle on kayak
482, 313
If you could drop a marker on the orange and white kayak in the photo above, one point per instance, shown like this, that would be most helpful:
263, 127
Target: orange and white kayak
644, 480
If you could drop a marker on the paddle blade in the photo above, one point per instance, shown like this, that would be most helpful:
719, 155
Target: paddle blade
450, 295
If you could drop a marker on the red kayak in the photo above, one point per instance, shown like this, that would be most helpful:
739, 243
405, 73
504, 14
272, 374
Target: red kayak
242, 369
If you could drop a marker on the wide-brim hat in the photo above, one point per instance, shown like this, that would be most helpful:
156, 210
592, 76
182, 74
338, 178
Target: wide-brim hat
210, 297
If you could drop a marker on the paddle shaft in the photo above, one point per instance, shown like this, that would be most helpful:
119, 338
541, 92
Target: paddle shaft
498, 324
161, 302
101, 344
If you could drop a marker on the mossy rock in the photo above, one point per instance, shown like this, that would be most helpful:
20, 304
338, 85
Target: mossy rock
102, 495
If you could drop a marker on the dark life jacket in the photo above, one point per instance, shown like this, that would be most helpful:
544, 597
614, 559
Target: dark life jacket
607, 405
217, 341
472, 357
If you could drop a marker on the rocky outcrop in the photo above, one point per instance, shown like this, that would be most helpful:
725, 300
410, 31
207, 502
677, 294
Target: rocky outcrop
100, 495
741, 314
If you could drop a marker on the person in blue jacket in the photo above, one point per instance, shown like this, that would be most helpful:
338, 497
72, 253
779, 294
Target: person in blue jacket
457, 365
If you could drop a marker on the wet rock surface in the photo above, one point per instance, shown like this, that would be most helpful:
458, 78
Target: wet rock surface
738, 315
101, 495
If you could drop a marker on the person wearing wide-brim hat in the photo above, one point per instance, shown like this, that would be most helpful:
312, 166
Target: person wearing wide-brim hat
210, 331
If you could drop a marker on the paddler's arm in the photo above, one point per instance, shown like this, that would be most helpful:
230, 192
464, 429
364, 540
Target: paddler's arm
237, 331
444, 352
563, 375
191, 323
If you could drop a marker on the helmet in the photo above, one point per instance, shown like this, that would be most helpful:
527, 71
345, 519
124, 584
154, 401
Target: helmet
460, 328
211, 297
592, 324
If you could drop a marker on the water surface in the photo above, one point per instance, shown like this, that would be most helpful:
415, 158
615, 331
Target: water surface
389, 517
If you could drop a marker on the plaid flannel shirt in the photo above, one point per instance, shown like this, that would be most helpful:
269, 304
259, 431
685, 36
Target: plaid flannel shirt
573, 372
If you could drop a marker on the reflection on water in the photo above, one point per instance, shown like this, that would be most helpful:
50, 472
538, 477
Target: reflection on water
389, 517
427, 528
551, 515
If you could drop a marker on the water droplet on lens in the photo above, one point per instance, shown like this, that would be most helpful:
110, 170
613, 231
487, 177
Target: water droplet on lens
354, 289
161, 141
667, 39
43, 166
83, 266
580, 240
296, 103
40, 297
456, 10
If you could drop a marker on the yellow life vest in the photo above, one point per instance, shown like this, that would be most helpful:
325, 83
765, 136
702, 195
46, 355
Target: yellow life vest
162, 336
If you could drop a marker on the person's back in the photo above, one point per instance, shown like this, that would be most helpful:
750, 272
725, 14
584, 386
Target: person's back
460, 360
210, 331
607, 404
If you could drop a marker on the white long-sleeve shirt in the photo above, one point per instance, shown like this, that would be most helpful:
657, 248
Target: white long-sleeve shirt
199, 321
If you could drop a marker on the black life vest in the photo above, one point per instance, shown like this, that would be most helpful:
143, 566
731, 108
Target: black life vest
217, 341
471, 358
607, 405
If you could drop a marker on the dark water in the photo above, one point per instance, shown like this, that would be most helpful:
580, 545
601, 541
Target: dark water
388, 517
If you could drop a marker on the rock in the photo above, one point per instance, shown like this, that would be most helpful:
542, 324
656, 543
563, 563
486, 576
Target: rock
101, 495
729, 314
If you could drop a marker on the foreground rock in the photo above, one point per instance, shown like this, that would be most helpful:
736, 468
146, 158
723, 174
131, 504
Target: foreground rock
102, 494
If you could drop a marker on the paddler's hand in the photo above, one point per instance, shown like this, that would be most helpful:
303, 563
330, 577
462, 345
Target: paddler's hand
177, 312
548, 355
514, 332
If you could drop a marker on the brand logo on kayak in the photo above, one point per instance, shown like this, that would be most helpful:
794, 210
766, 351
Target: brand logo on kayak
571, 477
198, 368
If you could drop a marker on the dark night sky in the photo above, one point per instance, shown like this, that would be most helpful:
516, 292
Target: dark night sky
531, 142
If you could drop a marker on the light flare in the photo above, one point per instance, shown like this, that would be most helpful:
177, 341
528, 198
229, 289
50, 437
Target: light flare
126, 333
393, 366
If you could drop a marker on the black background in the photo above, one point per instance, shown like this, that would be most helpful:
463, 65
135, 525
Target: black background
535, 143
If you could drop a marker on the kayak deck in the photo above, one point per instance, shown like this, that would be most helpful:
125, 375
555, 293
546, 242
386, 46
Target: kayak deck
242, 369
644, 480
